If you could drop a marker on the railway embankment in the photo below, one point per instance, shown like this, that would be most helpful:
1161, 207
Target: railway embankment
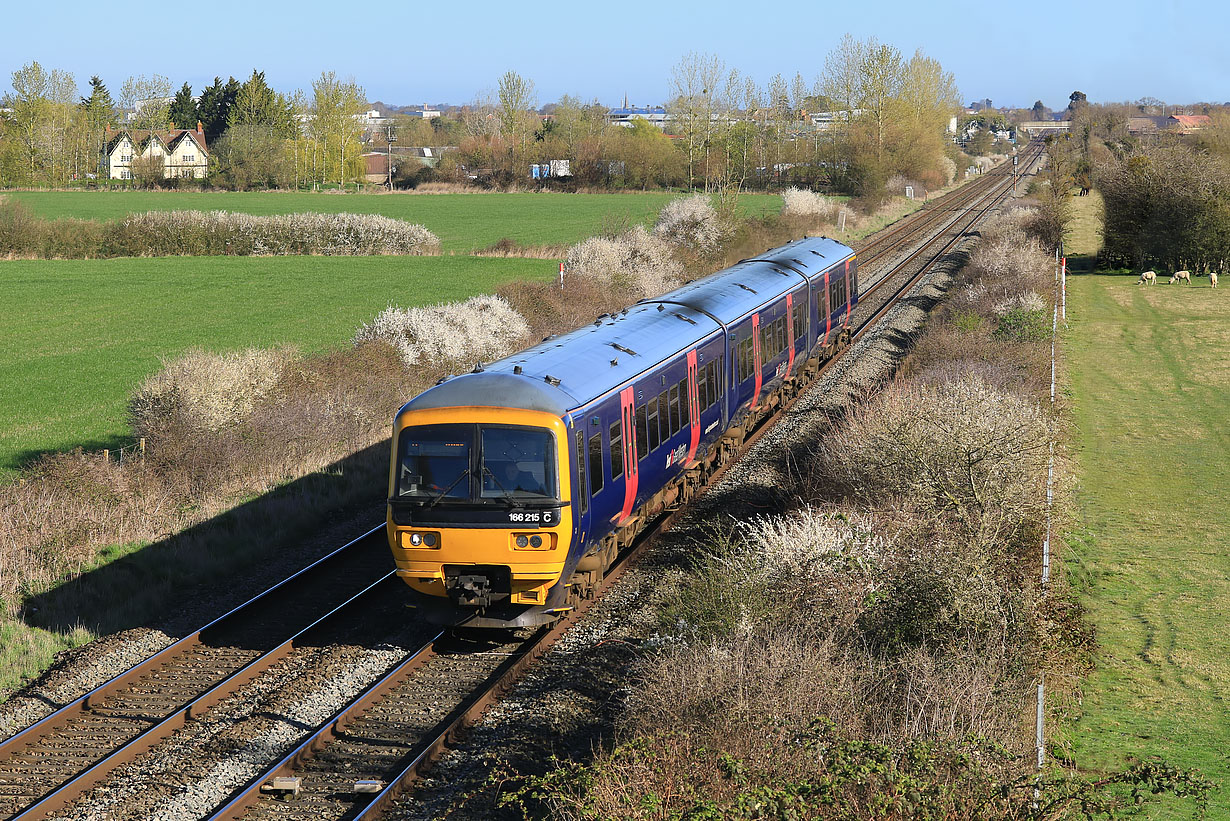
853, 618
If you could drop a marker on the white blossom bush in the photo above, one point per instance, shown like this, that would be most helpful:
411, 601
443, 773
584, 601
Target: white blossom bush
800, 202
949, 169
961, 448
1025, 301
479, 329
172, 233
690, 222
636, 261
208, 391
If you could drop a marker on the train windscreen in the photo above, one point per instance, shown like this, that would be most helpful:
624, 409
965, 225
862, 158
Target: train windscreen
476, 463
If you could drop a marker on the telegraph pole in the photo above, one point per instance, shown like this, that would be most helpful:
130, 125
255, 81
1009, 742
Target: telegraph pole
390, 137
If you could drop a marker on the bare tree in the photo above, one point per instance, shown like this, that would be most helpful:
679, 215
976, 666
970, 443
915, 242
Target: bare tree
150, 98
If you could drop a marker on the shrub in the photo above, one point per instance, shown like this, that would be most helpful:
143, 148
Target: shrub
960, 449
1020, 324
789, 567
690, 222
450, 334
173, 233
636, 261
207, 391
799, 202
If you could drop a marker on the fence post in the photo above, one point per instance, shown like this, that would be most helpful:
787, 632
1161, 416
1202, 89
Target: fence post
106, 455
1063, 289
142, 440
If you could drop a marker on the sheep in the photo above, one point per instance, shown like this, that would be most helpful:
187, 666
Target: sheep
1213, 279
1186, 276
1148, 276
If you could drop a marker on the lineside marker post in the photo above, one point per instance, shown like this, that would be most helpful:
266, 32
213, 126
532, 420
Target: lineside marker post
1063, 288
561, 276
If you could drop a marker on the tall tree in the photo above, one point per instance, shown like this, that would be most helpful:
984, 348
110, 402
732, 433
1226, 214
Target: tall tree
334, 126
42, 103
184, 112
150, 99
215, 107
260, 106
694, 82
517, 97
98, 112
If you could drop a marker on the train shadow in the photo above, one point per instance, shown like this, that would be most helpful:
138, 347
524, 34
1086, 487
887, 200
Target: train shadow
186, 580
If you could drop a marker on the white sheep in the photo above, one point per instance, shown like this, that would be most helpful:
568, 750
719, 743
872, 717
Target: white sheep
1213, 279
1186, 276
1148, 276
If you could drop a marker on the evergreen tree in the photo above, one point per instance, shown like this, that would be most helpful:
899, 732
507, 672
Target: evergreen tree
99, 112
215, 105
260, 106
184, 112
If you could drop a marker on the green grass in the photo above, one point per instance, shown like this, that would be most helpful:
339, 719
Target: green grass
464, 222
80, 335
1150, 379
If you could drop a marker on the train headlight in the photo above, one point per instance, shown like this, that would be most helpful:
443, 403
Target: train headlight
523, 540
535, 541
416, 539
429, 539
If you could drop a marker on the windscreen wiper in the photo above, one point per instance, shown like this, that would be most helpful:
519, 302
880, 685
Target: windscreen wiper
507, 497
445, 492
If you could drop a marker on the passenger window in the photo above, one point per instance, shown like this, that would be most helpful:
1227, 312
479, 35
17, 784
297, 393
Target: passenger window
711, 371
664, 414
722, 371
595, 463
617, 451
653, 440
674, 409
702, 387
581, 489
685, 406
642, 434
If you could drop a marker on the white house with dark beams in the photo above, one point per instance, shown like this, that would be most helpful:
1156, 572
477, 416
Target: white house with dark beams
183, 151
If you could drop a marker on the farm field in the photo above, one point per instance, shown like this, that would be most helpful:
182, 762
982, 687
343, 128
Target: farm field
464, 222
80, 335
1150, 383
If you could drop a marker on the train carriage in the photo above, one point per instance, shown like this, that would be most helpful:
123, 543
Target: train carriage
512, 488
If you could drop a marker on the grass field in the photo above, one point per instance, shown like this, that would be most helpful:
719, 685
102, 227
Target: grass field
79, 335
464, 222
1150, 382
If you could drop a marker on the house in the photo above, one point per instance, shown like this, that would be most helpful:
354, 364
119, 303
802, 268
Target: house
424, 113
1173, 124
376, 163
183, 151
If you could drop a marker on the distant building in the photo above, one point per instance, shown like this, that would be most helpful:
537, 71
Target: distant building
1187, 123
184, 152
1145, 126
827, 120
424, 113
655, 115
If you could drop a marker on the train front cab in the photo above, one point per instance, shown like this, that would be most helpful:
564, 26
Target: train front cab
479, 514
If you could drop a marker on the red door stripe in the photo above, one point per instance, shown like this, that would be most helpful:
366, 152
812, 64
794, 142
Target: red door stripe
828, 309
790, 332
756, 358
627, 423
846, 323
693, 407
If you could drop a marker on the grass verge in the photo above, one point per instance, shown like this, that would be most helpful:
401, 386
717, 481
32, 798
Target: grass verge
1150, 390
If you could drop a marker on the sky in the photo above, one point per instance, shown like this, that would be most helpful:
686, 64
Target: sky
436, 52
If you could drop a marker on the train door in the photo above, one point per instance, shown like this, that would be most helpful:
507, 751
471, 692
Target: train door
757, 362
580, 496
826, 317
693, 407
628, 468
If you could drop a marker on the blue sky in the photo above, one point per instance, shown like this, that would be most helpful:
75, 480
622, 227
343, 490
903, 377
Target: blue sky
407, 53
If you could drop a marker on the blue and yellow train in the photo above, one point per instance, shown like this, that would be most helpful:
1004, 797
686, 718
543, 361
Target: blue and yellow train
513, 488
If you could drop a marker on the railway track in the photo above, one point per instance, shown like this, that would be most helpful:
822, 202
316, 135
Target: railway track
358, 762
49, 764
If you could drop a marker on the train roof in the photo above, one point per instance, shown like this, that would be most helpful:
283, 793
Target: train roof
566, 372
742, 288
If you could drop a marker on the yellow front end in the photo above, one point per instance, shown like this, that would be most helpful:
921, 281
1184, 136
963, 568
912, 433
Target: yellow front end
525, 541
